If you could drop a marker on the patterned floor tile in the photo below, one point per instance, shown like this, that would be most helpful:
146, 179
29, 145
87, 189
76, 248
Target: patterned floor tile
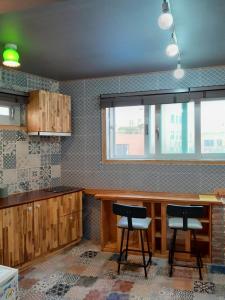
204, 287
89, 254
69, 279
58, 289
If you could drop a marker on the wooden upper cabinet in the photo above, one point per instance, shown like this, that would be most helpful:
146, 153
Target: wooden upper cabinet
49, 113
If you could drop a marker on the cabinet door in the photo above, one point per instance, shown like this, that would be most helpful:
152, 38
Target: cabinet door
66, 113
69, 230
70, 203
46, 111
45, 226
18, 234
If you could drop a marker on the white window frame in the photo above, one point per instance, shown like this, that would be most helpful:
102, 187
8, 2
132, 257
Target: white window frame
158, 156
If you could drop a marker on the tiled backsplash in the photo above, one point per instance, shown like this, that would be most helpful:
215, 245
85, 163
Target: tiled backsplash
28, 162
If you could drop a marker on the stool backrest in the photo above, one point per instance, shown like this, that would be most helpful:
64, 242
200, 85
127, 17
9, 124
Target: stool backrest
130, 211
185, 212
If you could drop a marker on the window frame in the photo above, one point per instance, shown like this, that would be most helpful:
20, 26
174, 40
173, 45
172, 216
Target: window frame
157, 157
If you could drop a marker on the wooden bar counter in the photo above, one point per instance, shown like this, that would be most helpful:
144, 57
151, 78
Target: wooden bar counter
159, 235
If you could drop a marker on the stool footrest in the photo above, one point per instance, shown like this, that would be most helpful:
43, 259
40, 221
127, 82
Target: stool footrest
135, 250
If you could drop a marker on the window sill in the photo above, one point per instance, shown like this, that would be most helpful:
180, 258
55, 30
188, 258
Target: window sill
163, 162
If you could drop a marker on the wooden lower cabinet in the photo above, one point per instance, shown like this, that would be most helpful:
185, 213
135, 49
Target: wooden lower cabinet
45, 226
70, 203
17, 234
31, 230
69, 229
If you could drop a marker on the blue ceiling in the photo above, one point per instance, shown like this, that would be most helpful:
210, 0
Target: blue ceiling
89, 38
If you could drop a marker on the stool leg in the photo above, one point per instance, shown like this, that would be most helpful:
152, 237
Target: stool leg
128, 232
121, 250
173, 245
198, 257
143, 253
149, 252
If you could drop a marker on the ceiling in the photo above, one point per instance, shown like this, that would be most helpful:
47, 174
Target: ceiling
72, 39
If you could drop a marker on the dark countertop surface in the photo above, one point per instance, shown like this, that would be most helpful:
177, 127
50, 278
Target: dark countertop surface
28, 197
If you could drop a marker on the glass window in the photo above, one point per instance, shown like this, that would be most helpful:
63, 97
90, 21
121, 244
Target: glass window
130, 129
193, 130
213, 126
4, 111
177, 137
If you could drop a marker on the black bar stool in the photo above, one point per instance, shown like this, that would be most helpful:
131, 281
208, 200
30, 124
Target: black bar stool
184, 218
133, 218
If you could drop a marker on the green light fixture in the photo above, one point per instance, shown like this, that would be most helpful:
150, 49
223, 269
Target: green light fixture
11, 56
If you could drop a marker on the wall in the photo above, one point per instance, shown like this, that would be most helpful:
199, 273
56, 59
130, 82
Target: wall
28, 163
81, 154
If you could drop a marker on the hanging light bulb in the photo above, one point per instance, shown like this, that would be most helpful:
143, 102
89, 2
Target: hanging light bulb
172, 49
165, 20
179, 72
11, 56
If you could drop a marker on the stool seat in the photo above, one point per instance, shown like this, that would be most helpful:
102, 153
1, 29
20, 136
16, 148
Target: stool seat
177, 223
136, 223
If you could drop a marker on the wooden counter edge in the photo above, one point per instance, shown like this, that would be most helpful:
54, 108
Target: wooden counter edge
112, 195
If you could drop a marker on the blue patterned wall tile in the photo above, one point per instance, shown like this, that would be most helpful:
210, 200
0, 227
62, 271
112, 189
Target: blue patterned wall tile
9, 135
142, 82
79, 126
9, 147
93, 123
212, 76
46, 160
95, 87
34, 146
56, 181
55, 159
1, 176
93, 144
9, 161
14, 79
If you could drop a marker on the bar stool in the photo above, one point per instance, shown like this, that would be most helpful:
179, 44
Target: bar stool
184, 218
133, 218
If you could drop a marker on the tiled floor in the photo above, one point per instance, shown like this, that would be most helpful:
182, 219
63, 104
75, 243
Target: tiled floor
84, 272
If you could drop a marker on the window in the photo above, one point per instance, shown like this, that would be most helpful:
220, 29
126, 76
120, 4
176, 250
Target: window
193, 130
12, 114
4, 111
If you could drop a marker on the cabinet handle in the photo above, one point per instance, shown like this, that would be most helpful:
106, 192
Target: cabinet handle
71, 218
37, 205
29, 208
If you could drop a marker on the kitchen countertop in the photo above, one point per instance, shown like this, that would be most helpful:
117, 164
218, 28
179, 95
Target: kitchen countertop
28, 197
180, 198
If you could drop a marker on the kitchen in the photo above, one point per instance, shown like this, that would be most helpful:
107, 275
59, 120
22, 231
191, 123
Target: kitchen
94, 116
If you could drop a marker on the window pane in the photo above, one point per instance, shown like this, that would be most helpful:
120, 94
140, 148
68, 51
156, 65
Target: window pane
213, 126
4, 111
177, 128
129, 131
